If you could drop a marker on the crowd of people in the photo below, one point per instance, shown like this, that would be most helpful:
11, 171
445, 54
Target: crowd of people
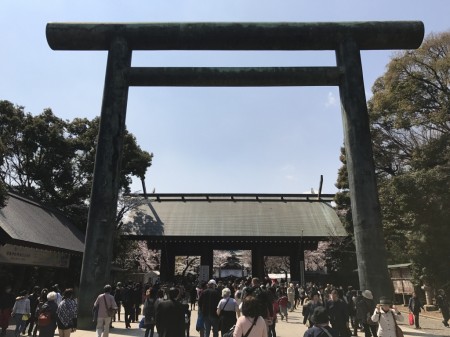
38, 312
249, 307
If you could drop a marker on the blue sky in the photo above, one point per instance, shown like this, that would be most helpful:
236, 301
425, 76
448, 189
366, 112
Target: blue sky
223, 140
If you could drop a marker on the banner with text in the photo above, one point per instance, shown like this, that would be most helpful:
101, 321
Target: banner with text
33, 257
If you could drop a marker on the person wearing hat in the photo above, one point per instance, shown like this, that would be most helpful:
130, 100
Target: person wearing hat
386, 315
320, 326
364, 309
207, 305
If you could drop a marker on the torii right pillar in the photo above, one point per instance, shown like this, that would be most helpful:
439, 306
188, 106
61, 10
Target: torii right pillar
369, 241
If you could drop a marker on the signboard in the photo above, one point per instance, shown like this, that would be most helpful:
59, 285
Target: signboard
34, 257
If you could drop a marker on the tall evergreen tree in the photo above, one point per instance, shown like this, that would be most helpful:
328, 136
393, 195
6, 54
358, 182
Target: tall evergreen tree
410, 122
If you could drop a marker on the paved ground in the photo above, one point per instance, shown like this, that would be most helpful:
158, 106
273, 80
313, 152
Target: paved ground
431, 326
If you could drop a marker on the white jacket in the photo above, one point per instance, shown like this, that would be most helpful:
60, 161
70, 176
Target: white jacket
386, 320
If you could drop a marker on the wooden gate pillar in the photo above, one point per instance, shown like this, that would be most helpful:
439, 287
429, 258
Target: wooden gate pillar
258, 262
207, 259
294, 262
167, 268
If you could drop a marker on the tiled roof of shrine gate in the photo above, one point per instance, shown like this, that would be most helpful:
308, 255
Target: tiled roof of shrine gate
234, 216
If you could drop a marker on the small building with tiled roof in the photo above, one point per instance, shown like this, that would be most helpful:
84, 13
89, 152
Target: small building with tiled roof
33, 234
266, 224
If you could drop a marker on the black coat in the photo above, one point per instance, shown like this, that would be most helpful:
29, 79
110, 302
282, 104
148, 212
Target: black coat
49, 330
170, 319
207, 303
338, 313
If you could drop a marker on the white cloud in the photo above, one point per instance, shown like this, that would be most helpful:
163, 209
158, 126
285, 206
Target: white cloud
331, 100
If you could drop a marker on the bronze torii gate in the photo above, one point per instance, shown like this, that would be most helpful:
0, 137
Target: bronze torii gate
346, 39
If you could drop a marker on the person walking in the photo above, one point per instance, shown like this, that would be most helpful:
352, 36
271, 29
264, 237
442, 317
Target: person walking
41, 301
67, 314
104, 302
34, 300
442, 302
338, 313
48, 310
127, 302
7, 300
364, 309
118, 299
387, 318
149, 313
170, 316
291, 297
311, 306
207, 303
415, 307
21, 312
250, 324
193, 296
283, 303
227, 309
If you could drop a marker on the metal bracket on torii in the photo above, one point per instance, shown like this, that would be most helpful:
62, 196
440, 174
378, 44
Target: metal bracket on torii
346, 39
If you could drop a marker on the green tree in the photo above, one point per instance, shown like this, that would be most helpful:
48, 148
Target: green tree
341, 252
410, 122
52, 160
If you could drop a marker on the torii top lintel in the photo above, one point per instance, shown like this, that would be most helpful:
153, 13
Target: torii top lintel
372, 35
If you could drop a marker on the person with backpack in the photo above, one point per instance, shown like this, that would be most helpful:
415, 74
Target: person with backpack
47, 316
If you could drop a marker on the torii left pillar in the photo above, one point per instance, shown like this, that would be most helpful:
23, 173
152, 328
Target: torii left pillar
105, 186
